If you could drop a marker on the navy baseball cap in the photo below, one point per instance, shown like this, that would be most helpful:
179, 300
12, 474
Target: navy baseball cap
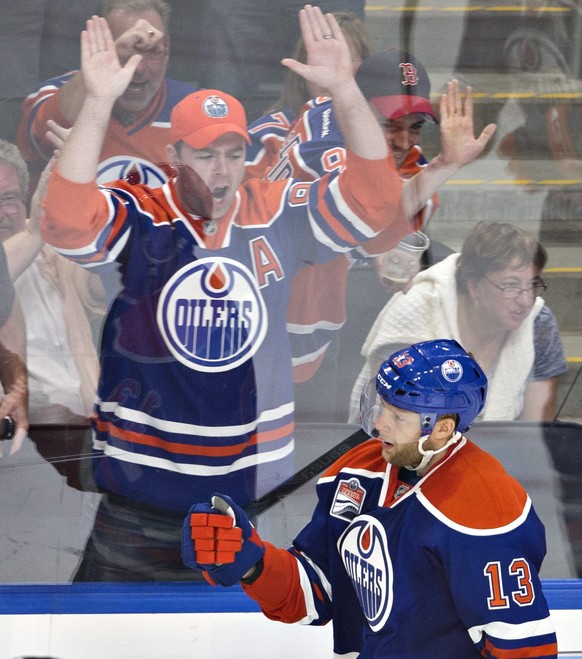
396, 83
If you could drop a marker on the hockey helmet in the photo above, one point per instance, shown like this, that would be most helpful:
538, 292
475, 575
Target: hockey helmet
431, 378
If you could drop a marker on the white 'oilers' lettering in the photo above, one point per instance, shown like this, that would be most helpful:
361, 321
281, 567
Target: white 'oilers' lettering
197, 316
368, 580
325, 122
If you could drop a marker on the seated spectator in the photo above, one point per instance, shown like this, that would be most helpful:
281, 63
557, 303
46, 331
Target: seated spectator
488, 299
62, 300
137, 134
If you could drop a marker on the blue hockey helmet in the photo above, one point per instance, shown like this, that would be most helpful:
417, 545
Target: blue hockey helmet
431, 378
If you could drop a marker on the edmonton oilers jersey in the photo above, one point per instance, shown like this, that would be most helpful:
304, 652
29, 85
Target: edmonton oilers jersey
134, 152
409, 569
195, 392
306, 147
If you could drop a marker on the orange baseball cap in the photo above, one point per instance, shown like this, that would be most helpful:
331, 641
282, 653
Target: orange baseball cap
201, 117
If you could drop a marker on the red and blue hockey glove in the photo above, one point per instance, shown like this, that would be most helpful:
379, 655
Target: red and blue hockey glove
220, 540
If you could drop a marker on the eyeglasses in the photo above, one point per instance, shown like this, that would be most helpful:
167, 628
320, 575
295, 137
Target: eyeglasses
11, 200
511, 292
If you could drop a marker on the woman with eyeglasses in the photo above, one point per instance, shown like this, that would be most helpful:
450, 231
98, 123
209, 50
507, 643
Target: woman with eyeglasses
488, 298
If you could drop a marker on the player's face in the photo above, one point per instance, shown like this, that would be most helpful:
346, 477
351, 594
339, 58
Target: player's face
12, 207
399, 432
492, 306
151, 71
221, 165
402, 134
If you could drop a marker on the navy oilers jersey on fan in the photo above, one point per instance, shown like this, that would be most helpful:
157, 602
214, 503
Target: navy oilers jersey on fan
406, 569
195, 392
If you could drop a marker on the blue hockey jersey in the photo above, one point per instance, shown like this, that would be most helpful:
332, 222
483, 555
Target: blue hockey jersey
442, 566
195, 392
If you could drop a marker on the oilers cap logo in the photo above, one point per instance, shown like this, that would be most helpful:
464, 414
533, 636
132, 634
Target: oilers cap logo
211, 315
451, 370
364, 552
215, 107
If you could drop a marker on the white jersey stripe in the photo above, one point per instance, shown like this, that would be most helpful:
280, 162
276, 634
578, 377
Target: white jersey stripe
128, 414
188, 469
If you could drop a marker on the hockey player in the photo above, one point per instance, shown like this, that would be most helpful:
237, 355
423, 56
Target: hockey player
421, 545
196, 391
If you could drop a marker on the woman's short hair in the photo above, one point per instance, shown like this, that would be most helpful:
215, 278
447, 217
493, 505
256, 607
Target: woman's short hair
494, 246
295, 92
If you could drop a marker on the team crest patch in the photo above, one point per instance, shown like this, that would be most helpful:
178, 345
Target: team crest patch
364, 552
211, 315
133, 170
403, 359
348, 500
451, 370
215, 107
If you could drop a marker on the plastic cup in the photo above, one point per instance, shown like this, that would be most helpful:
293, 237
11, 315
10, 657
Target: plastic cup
400, 264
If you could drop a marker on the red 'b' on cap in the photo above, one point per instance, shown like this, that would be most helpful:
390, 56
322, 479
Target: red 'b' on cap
396, 83
201, 117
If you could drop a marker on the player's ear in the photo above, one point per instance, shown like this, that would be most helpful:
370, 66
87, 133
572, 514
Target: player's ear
445, 427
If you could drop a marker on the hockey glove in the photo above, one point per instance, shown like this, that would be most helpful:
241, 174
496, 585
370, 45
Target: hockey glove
220, 541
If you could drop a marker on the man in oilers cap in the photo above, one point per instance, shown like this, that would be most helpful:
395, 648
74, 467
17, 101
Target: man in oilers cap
421, 544
196, 392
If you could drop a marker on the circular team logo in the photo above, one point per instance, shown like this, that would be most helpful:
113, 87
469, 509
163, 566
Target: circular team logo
364, 552
452, 371
215, 107
133, 170
212, 315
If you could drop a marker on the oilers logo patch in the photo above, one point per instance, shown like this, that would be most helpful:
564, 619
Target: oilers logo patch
215, 107
364, 552
451, 370
134, 170
348, 499
212, 315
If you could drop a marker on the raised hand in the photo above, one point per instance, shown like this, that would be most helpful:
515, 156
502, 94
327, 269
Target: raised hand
458, 144
104, 76
141, 37
57, 135
329, 61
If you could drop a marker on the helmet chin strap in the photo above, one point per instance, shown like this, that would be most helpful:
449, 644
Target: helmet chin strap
430, 453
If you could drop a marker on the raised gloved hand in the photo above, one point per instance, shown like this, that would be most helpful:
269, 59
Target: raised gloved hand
220, 540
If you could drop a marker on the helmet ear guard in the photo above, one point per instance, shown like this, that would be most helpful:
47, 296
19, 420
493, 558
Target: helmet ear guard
431, 378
